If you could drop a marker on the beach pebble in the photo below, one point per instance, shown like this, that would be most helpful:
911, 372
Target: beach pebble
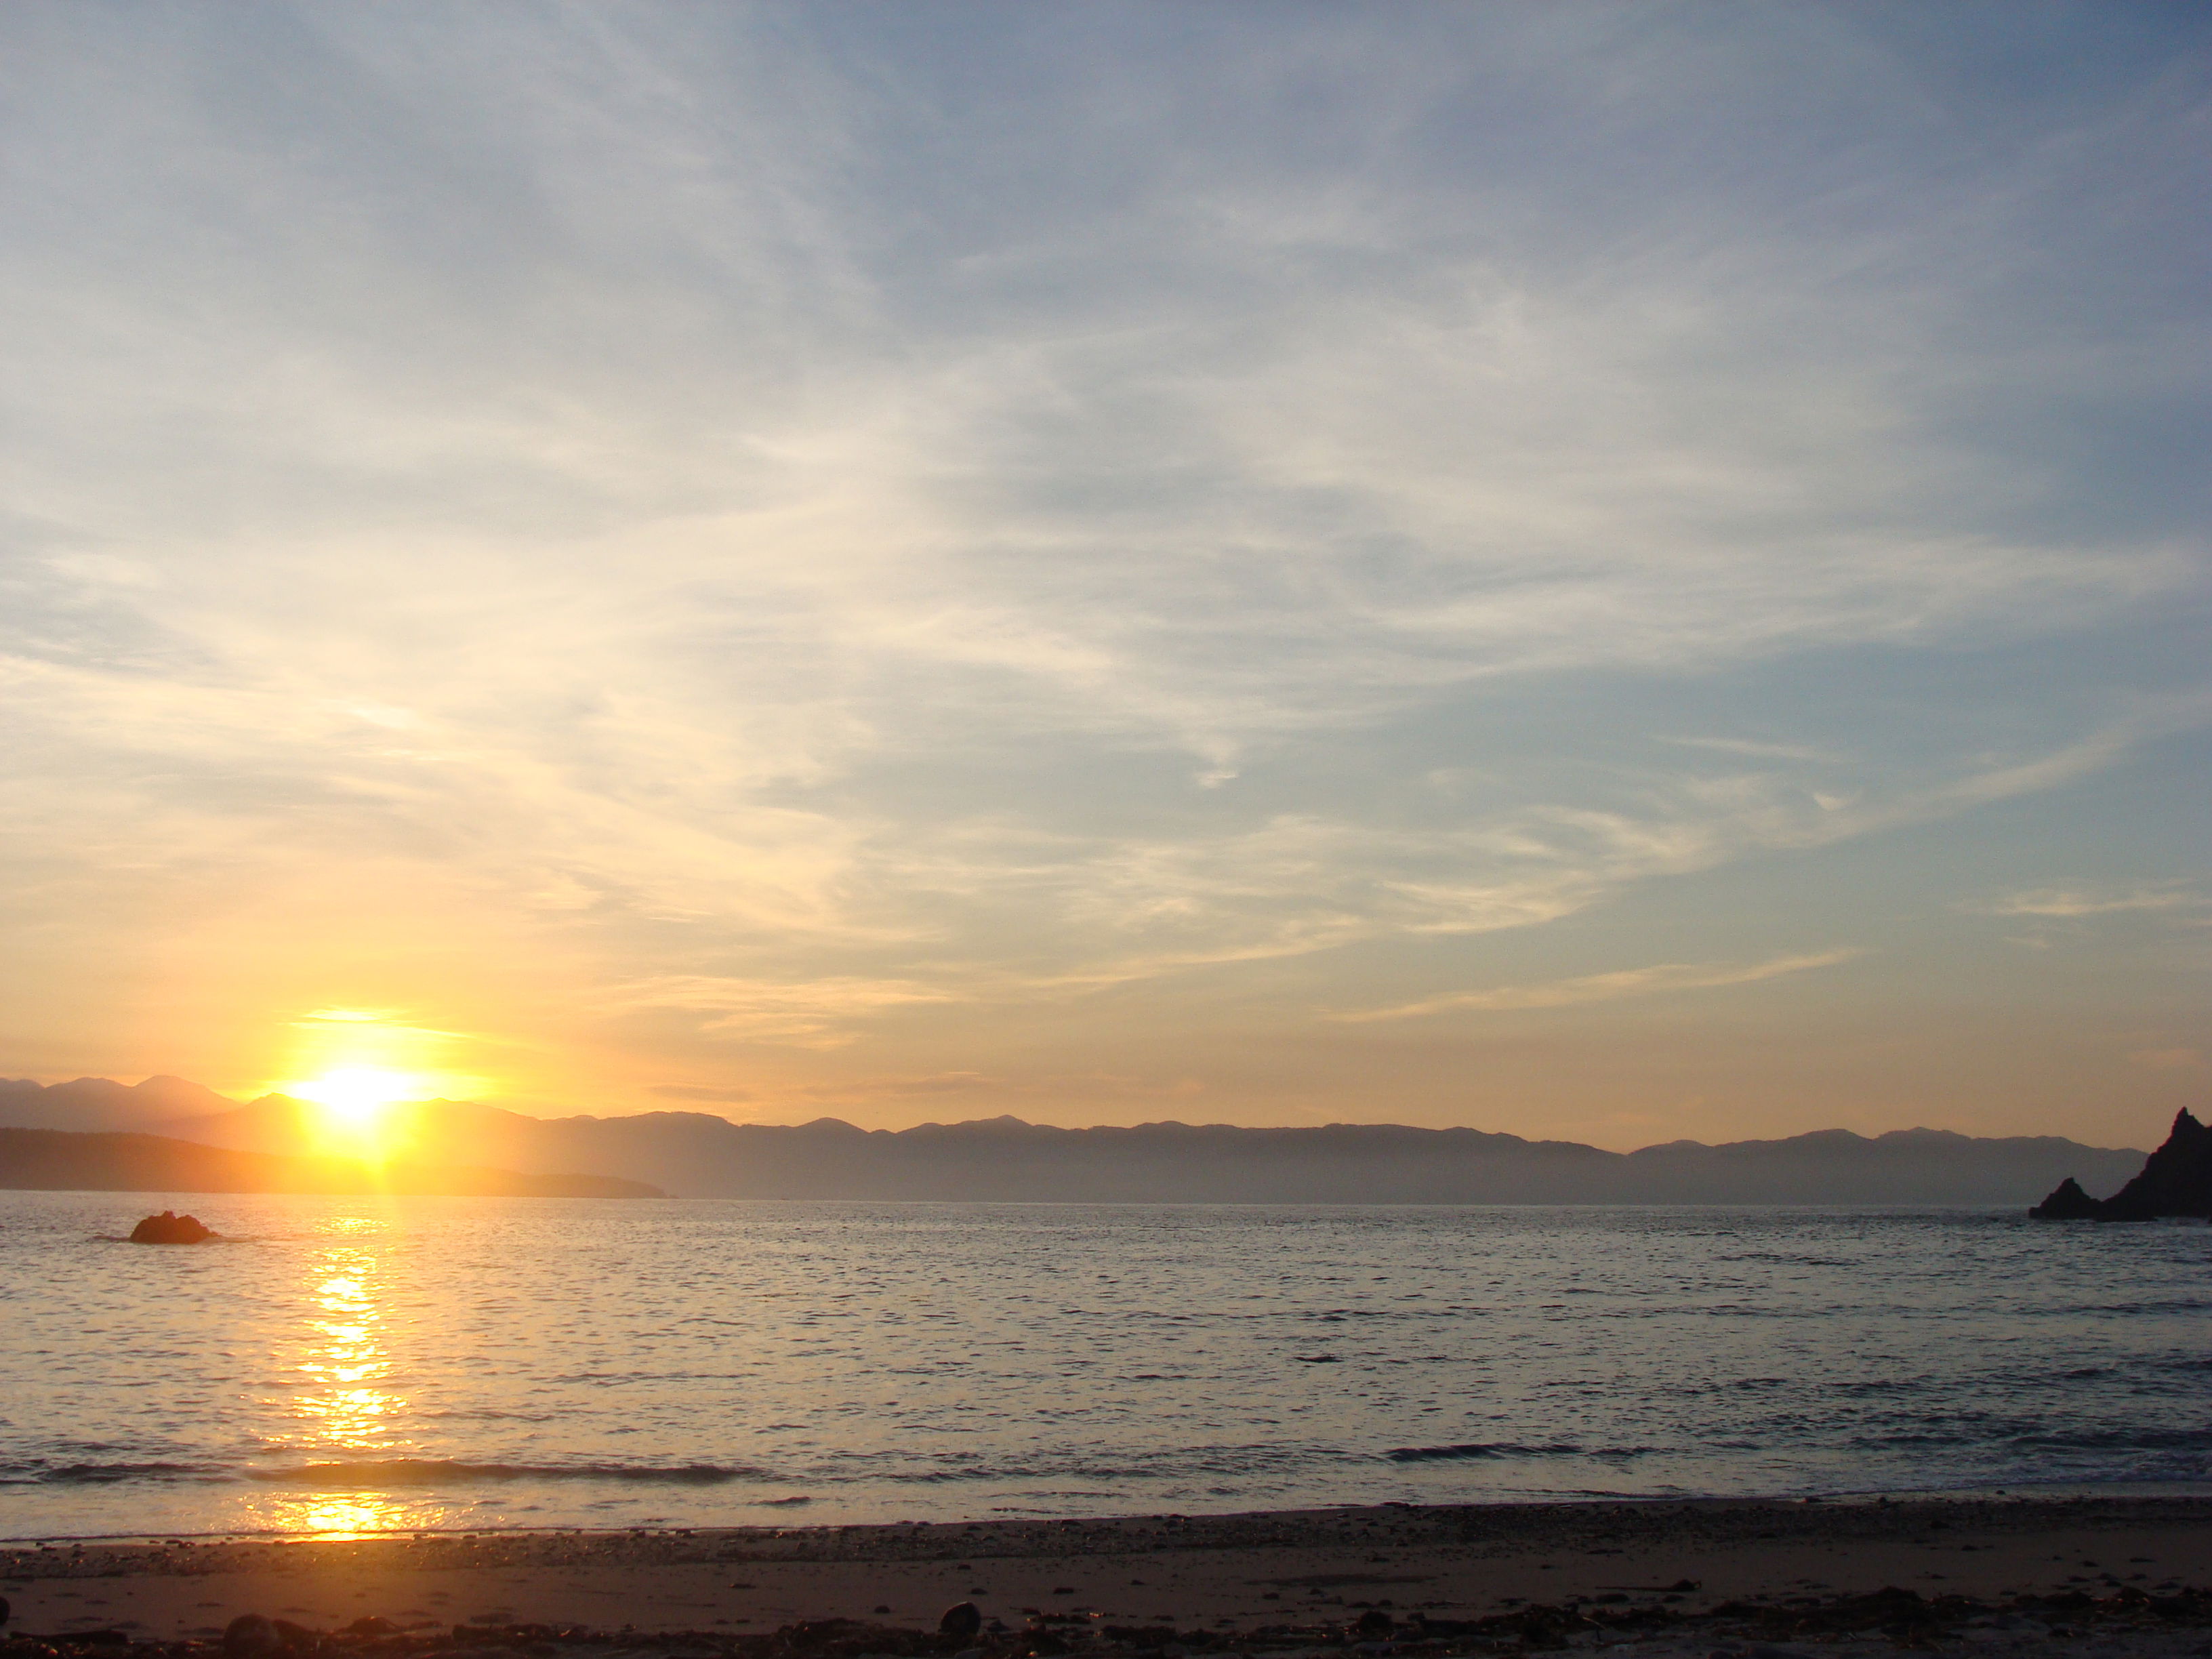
962, 1619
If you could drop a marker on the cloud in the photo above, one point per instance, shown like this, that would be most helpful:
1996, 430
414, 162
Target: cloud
791, 530
1606, 988
815, 1013
2096, 900
1059, 1089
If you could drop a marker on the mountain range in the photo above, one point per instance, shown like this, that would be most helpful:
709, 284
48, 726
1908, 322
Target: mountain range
698, 1155
61, 1160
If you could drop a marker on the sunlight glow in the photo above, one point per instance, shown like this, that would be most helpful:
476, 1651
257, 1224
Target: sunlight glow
354, 1106
358, 1095
356, 1068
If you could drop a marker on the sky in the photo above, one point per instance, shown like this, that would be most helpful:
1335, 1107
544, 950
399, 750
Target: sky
1613, 572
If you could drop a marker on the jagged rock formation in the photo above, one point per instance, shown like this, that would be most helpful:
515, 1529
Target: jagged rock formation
2069, 1203
2176, 1181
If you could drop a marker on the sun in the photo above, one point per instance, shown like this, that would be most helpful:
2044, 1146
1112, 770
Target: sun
357, 1094
364, 1076
355, 1102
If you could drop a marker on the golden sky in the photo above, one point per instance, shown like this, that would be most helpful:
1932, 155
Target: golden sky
1593, 572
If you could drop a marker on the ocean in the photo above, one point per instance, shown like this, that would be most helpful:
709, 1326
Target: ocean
347, 1365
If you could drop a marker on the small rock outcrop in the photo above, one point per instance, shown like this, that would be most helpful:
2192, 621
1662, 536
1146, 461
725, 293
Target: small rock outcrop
2176, 1181
2069, 1203
170, 1228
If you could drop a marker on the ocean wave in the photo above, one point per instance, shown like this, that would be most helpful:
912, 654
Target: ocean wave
2130, 1439
107, 1474
431, 1472
1473, 1449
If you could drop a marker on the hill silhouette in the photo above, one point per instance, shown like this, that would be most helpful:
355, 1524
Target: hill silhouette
98, 1102
2176, 1180
699, 1155
59, 1160
696, 1154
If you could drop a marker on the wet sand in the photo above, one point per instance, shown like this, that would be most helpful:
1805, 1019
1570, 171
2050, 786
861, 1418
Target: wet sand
1212, 1578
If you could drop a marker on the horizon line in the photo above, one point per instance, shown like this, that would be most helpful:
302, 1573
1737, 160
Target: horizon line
1009, 1119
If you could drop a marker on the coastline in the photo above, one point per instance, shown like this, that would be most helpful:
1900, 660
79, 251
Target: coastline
1676, 1566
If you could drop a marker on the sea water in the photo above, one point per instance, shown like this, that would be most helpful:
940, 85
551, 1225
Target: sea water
354, 1364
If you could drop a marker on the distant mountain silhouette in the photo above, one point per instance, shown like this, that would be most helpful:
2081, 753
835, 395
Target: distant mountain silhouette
97, 1103
695, 1154
57, 1160
2176, 1181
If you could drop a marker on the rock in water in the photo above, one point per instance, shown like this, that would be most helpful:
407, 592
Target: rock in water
2176, 1181
963, 1619
2069, 1203
170, 1228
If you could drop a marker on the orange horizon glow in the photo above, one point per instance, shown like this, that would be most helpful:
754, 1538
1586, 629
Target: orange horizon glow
355, 1066
354, 1107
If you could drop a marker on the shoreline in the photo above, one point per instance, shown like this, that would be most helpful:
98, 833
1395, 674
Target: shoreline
1672, 1562
2065, 1492
1879, 1498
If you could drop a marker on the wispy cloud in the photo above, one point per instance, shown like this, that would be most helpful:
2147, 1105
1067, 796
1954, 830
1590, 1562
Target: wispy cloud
2096, 900
814, 1013
1654, 981
778, 531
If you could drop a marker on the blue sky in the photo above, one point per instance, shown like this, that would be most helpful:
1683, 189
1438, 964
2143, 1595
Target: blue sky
1603, 571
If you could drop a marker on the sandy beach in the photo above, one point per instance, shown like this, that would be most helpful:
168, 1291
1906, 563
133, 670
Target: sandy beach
2008, 1573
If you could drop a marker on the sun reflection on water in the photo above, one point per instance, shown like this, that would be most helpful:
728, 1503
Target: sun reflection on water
346, 1408
356, 1515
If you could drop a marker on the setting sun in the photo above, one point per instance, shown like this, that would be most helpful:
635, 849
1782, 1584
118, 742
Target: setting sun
358, 1095
353, 1104
355, 1067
